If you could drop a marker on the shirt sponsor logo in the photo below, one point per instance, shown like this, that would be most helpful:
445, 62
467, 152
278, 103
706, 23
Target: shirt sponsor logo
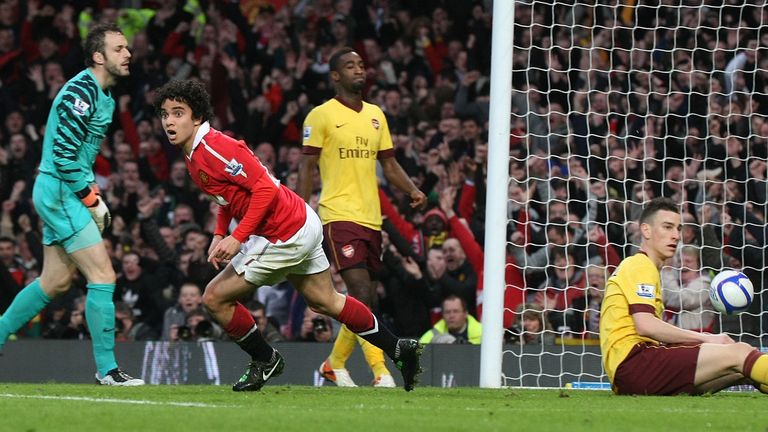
348, 251
80, 107
375, 124
356, 153
646, 290
307, 132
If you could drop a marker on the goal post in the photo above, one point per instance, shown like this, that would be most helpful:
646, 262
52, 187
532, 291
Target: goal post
496, 207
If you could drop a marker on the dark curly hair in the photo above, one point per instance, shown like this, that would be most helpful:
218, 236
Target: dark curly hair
190, 92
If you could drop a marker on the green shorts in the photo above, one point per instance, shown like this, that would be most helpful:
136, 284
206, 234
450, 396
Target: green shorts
66, 221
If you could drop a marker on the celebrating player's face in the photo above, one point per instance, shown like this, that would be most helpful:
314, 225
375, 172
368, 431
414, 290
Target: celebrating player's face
178, 124
117, 57
352, 72
662, 234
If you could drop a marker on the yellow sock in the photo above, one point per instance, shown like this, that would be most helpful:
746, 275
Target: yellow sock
375, 358
342, 348
759, 372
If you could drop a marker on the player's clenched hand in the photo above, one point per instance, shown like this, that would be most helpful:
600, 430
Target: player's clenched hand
418, 199
223, 251
100, 214
92, 200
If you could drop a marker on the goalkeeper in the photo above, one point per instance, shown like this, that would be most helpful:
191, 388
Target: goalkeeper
69, 203
643, 354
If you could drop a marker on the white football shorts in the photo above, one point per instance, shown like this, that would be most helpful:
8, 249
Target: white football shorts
266, 263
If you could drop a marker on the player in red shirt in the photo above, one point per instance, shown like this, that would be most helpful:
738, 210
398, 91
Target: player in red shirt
277, 237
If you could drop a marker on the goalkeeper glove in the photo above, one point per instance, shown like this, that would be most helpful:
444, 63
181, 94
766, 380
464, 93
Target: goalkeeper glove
92, 200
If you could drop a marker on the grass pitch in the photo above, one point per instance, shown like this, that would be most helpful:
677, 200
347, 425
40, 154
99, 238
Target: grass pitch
84, 408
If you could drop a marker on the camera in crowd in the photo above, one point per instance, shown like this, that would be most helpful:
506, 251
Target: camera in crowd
319, 324
185, 333
202, 331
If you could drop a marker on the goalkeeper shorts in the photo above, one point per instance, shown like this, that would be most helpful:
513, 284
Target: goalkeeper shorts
66, 221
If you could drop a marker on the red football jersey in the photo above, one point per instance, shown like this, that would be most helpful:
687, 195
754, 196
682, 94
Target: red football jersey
228, 171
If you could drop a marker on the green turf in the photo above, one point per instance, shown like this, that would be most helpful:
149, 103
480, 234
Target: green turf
289, 408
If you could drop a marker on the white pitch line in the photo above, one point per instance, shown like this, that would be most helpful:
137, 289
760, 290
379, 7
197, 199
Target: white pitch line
119, 401
376, 407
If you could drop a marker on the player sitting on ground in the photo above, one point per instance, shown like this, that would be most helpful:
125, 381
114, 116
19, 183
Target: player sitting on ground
642, 354
278, 236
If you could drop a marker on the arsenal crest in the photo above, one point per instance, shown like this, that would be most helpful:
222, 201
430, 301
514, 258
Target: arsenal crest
375, 124
348, 251
203, 176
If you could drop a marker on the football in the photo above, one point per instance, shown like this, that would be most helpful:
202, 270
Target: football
731, 292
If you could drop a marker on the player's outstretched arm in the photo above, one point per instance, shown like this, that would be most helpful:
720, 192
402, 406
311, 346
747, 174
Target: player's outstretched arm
648, 325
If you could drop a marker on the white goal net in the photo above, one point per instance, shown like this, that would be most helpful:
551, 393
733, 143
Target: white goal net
613, 105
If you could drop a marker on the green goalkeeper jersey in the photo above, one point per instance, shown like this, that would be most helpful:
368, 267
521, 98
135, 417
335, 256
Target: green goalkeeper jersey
77, 124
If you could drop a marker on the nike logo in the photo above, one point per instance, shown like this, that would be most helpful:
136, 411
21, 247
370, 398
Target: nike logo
265, 376
107, 330
340, 125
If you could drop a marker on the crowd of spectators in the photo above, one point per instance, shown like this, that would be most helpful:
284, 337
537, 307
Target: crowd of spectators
645, 100
607, 114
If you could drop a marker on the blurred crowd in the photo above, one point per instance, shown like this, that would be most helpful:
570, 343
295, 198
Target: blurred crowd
607, 114
615, 105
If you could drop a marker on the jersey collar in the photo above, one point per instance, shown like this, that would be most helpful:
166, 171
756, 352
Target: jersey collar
341, 101
201, 132
103, 91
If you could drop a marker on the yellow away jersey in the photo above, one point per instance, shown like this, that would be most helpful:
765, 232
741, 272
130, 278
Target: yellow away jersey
634, 286
349, 143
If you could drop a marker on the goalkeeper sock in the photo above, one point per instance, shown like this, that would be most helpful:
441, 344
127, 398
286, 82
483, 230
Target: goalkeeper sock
243, 330
756, 368
100, 315
342, 348
27, 304
375, 358
360, 320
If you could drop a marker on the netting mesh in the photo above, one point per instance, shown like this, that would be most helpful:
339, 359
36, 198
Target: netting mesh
611, 107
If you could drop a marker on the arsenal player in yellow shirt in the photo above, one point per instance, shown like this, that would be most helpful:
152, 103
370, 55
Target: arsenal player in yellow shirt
346, 136
642, 354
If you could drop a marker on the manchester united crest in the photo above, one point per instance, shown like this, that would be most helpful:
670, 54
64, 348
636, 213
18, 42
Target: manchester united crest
375, 124
203, 176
